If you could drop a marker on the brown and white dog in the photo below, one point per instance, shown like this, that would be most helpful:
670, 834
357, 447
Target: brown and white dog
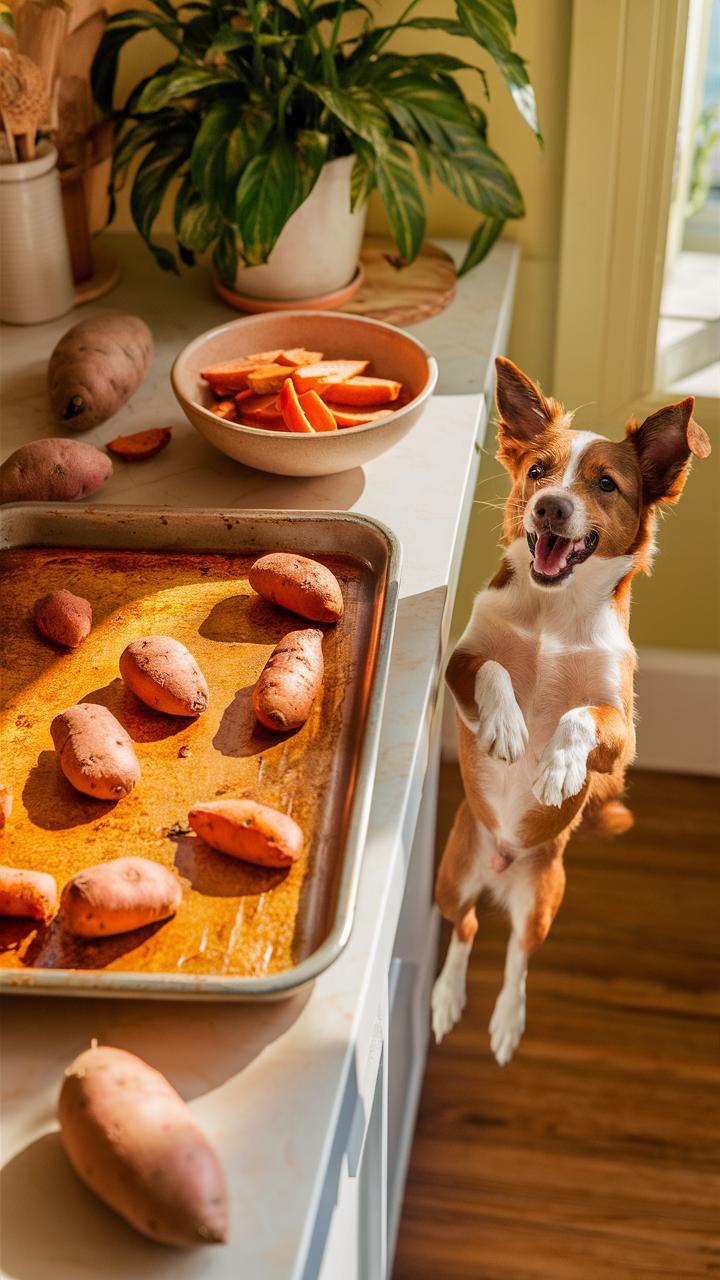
543, 676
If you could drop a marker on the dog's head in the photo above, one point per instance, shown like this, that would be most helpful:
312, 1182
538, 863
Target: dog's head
576, 494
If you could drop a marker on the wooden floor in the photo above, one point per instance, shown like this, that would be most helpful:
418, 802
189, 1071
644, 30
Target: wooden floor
596, 1152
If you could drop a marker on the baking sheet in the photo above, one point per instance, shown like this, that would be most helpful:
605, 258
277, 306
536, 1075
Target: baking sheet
241, 931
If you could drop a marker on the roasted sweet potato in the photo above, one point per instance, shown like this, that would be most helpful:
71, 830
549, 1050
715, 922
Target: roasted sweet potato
164, 674
53, 470
310, 376
117, 896
27, 893
248, 830
63, 618
298, 583
290, 680
134, 1142
362, 391
96, 367
291, 410
320, 417
94, 752
142, 444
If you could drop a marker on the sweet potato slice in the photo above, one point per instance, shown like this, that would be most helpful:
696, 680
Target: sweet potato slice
298, 355
224, 409
317, 413
308, 377
258, 407
291, 410
142, 444
267, 378
233, 375
349, 418
362, 391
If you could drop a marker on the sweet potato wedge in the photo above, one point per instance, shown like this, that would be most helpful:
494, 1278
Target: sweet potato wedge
298, 355
134, 1142
233, 375
248, 830
118, 896
27, 893
226, 409
290, 680
320, 417
362, 391
352, 418
268, 378
258, 407
298, 583
140, 445
292, 412
308, 377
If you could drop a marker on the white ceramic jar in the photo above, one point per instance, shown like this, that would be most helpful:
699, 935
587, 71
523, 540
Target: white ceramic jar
319, 247
36, 281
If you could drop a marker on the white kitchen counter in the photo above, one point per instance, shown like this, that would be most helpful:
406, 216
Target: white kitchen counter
310, 1101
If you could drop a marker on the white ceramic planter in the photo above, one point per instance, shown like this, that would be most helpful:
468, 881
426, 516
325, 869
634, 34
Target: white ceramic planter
319, 247
35, 277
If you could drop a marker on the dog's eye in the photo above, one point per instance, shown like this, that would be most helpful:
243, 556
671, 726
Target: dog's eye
535, 471
607, 484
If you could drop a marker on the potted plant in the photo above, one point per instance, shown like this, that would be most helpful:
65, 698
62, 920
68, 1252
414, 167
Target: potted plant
263, 106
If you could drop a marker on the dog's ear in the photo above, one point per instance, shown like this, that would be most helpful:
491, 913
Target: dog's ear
665, 444
524, 411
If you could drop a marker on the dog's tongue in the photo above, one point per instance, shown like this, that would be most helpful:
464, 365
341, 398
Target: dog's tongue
551, 553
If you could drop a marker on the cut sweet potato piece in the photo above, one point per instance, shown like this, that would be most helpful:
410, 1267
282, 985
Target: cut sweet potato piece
292, 412
348, 418
259, 407
267, 378
308, 377
234, 374
317, 413
298, 355
142, 444
224, 409
362, 391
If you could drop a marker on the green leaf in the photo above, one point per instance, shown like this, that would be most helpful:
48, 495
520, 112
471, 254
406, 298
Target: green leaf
268, 193
181, 82
196, 223
401, 199
357, 110
156, 172
225, 257
441, 114
481, 243
228, 137
489, 24
362, 180
480, 178
140, 135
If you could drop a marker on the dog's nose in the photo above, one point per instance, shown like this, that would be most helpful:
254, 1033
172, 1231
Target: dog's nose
555, 507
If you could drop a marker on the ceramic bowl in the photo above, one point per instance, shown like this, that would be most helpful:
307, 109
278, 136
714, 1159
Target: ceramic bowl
392, 354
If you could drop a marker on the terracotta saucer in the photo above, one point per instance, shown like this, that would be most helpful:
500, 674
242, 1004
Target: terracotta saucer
256, 306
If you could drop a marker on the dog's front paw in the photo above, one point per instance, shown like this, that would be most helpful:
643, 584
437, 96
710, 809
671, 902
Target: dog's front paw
507, 1025
501, 731
563, 765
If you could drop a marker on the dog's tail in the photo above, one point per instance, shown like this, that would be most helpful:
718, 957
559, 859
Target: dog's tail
607, 818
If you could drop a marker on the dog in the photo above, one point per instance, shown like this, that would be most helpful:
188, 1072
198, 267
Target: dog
542, 678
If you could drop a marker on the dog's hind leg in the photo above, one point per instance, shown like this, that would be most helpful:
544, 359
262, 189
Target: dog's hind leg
532, 898
458, 886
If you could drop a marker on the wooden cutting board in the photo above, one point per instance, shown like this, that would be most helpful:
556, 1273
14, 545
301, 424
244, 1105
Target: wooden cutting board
403, 295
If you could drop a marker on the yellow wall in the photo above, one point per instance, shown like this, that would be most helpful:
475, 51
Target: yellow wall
684, 572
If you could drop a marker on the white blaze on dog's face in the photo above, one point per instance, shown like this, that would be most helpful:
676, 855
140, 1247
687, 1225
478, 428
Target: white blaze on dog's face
576, 494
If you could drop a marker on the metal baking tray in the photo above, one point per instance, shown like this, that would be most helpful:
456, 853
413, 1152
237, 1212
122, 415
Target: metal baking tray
241, 932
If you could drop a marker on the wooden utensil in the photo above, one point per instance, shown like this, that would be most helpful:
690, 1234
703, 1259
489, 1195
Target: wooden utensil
41, 27
23, 101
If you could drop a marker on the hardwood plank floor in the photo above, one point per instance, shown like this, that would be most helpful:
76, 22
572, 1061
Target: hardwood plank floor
596, 1153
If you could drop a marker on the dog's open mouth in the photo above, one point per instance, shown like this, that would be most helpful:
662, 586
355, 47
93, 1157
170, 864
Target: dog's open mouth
554, 558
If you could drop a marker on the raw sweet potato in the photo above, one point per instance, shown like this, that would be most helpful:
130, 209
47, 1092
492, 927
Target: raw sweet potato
298, 583
94, 752
233, 376
320, 417
6, 803
268, 378
96, 367
134, 1142
226, 409
63, 618
248, 830
257, 407
348, 418
117, 896
53, 470
292, 412
27, 893
299, 355
289, 682
310, 376
164, 674
142, 444
362, 391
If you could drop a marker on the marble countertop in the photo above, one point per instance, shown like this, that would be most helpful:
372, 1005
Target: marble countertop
270, 1083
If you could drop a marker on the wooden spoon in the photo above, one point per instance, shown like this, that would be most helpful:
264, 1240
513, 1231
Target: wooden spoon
23, 101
